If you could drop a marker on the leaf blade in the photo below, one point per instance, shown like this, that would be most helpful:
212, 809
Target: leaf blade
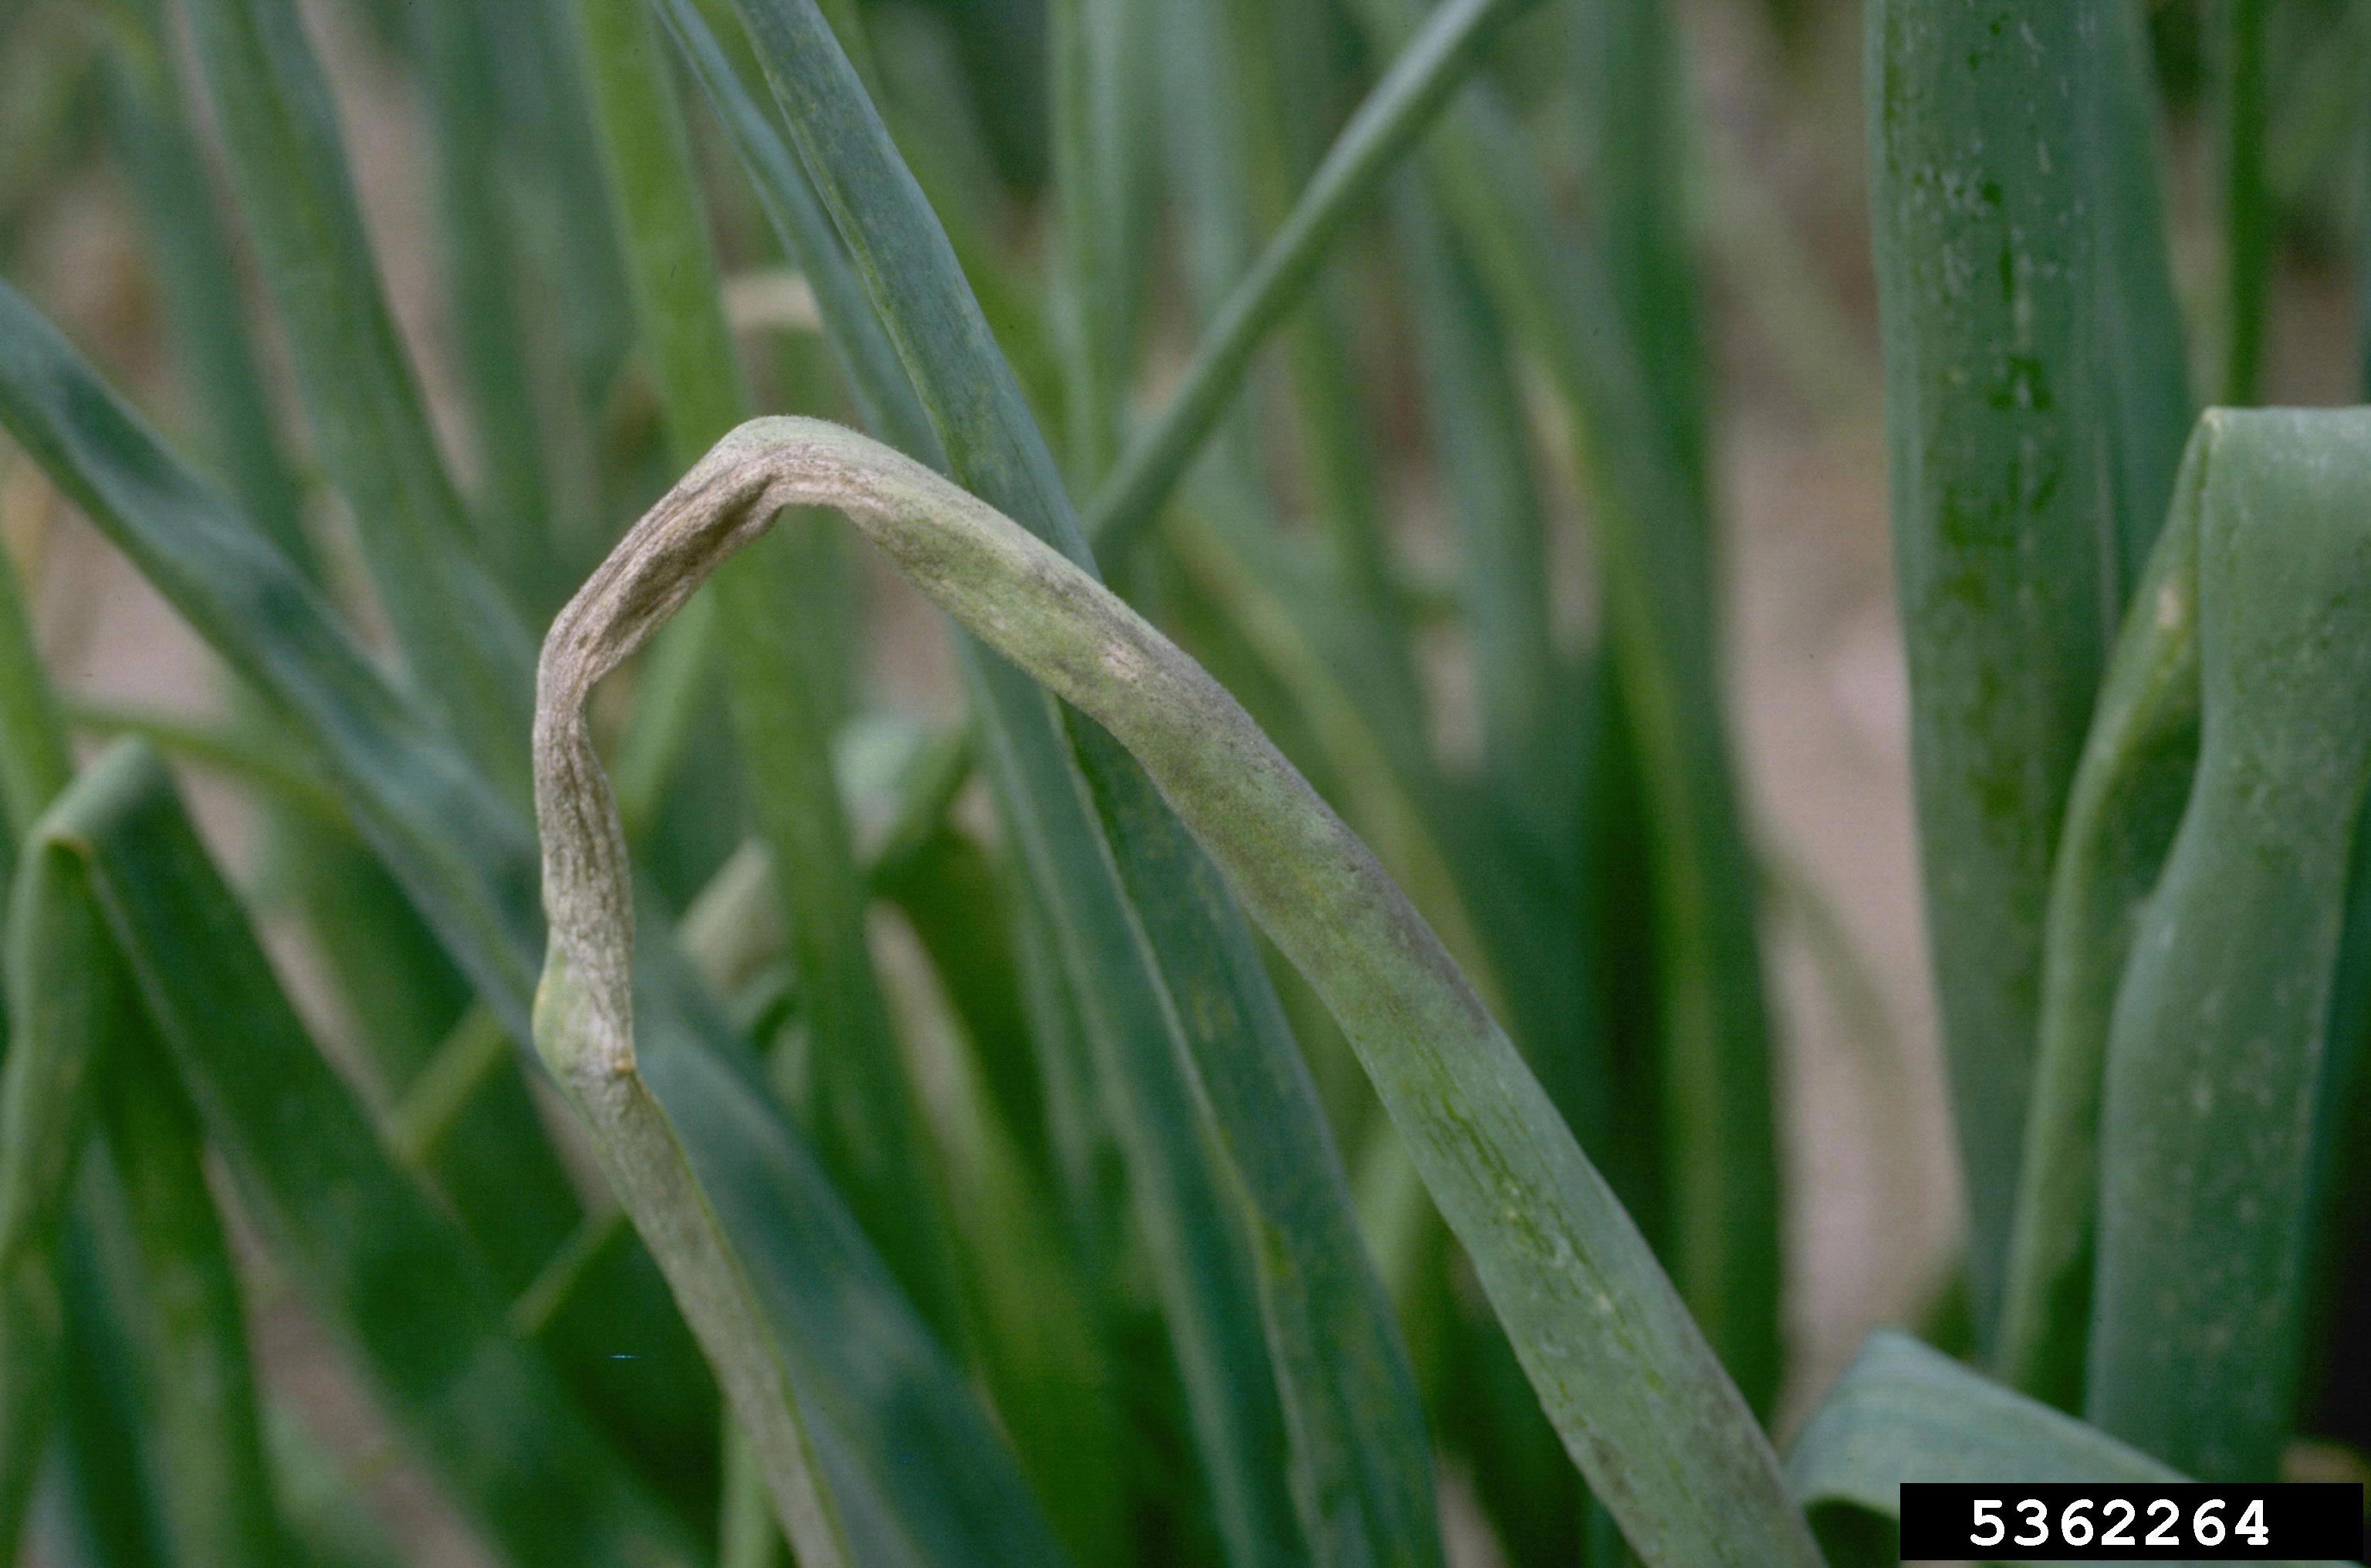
1641, 1400
861, 1109
466, 651
1715, 1141
378, 1260
2214, 1059
470, 864
1093, 861
2004, 426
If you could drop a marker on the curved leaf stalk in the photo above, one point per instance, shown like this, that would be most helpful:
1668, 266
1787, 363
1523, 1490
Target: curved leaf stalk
1404, 815
861, 1111
646, 1166
2215, 1059
2021, 299
1642, 1404
2127, 797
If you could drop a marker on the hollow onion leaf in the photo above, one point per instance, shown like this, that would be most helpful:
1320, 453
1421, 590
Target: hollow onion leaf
465, 649
2008, 165
2127, 797
1642, 1402
33, 759
873, 375
1097, 136
1904, 1412
563, 209
1039, 1338
2215, 1056
396, 983
1283, 65
1322, 626
1527, 845
63, 999
1476, 416
1326, 623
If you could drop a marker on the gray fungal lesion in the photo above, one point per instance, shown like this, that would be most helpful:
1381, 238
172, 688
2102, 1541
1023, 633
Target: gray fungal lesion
1035, 605
1482, 1132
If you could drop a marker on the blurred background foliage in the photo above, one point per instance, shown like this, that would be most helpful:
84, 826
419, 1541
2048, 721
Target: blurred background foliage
1394, 550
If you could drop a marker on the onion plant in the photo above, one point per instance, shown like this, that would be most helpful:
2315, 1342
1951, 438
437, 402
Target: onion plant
1186, 1106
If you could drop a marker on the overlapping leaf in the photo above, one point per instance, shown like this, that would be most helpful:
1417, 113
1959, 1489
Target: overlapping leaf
910, 1442
1640, 1399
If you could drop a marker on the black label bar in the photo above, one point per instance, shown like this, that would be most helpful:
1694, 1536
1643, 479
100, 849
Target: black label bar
2073, 1522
